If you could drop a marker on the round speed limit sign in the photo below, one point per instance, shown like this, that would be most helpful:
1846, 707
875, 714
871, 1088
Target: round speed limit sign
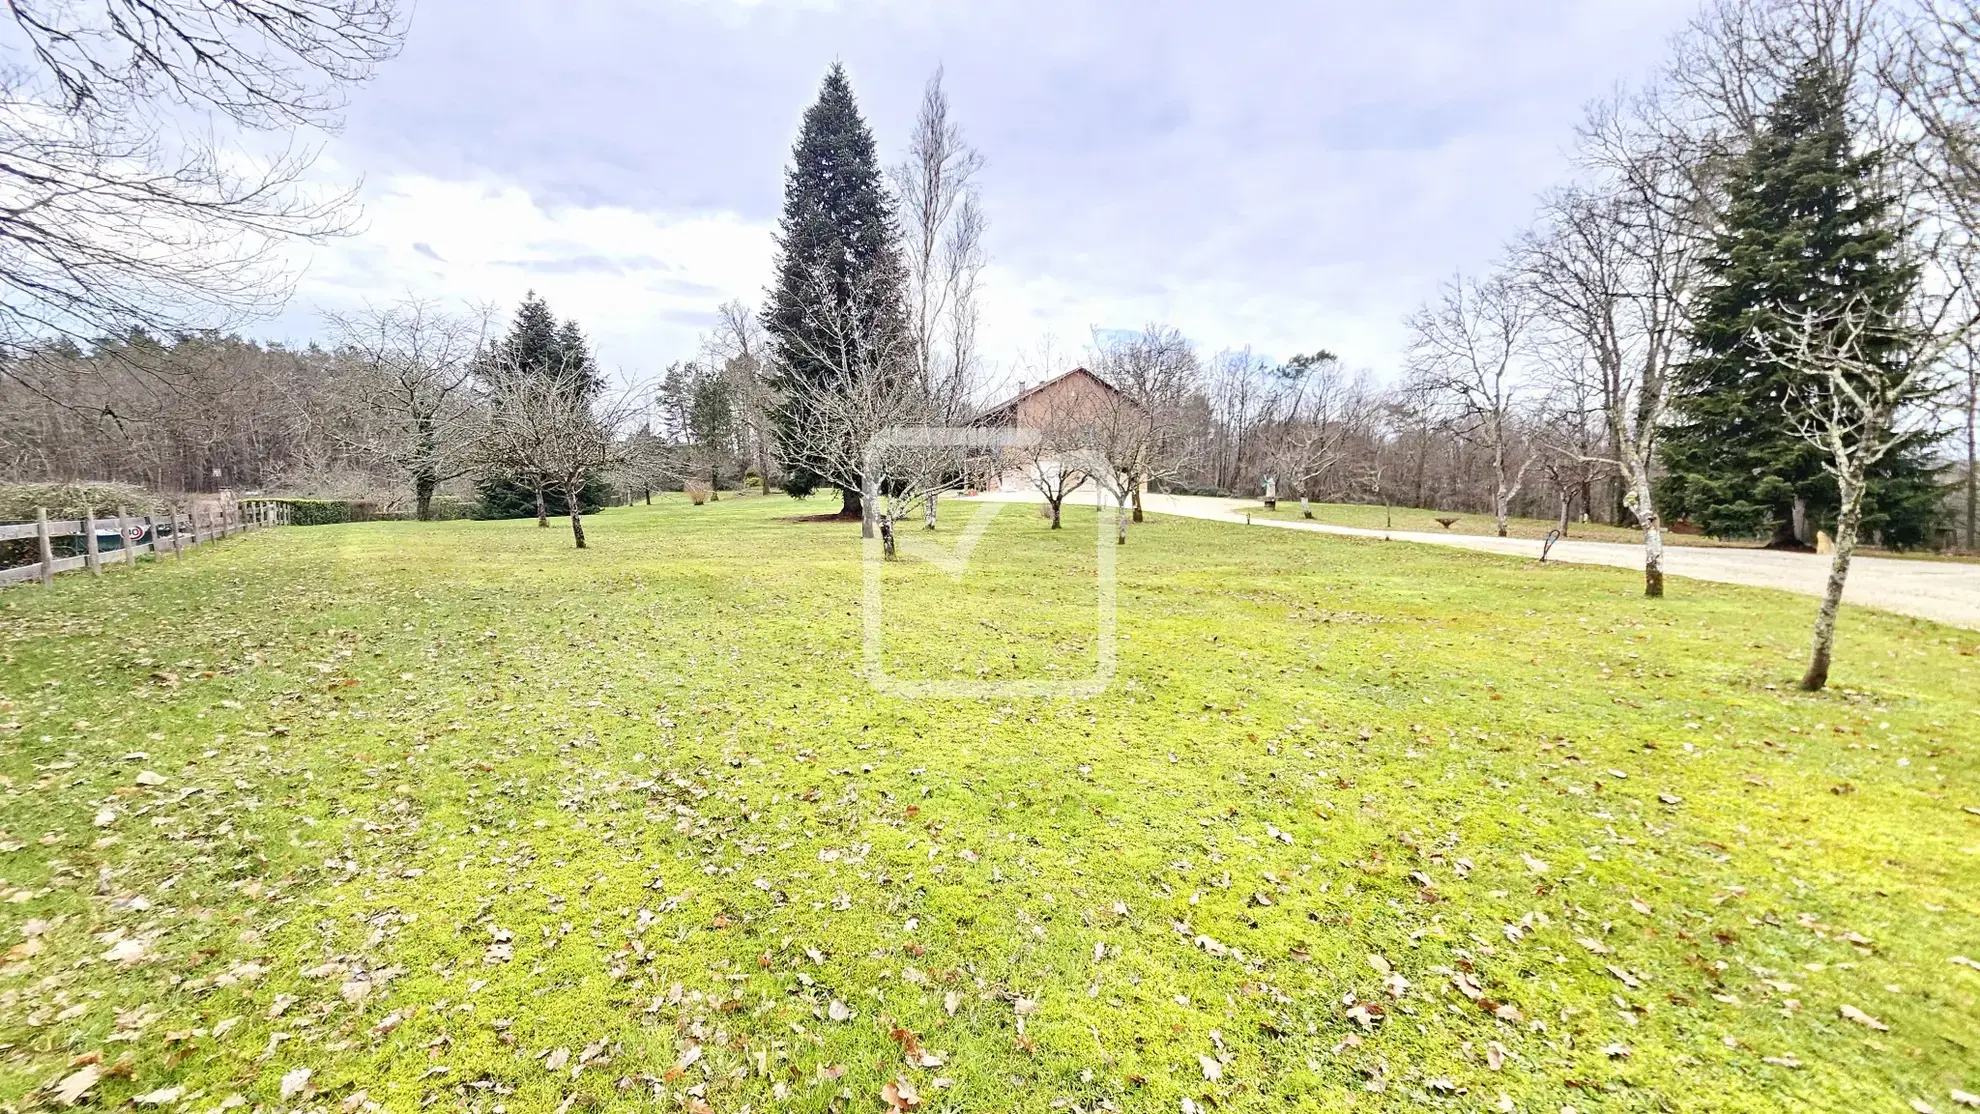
134, 533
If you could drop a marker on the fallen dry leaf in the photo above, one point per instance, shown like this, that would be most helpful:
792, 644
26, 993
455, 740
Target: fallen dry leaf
1851, 1013
900, 1094
74, 1086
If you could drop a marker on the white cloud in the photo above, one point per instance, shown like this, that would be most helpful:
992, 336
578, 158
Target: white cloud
642, 284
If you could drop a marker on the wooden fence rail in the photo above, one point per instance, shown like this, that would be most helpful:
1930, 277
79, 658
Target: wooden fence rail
172, 530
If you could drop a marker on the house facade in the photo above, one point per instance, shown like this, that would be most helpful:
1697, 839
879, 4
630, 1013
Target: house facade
1078, 399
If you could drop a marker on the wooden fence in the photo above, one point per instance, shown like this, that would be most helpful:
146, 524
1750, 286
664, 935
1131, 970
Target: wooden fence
174, 531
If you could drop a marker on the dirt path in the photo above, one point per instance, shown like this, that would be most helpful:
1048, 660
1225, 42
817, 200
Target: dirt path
1944, 591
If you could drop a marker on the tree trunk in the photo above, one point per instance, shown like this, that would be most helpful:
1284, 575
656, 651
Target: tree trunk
1137, 500
1564, 512
577, 524
1972, 456
1848, 520
714, 485
886, 518
1055, 510
424, 484
862, 503
762, 465
852, 505
649, 496
1305, 507
1638, 500
543, 510
1784, 535
928, 513
1120, 519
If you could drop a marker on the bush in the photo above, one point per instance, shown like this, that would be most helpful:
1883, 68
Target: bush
18, 501
450, 508
505, 498
697, 491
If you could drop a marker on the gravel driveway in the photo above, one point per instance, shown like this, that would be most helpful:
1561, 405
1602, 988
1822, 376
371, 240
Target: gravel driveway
1944, 591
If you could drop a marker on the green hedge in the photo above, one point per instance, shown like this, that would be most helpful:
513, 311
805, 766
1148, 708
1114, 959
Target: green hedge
321, 512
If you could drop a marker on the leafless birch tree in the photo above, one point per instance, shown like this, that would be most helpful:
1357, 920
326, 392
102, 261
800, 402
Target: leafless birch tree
942, 229
1860, 370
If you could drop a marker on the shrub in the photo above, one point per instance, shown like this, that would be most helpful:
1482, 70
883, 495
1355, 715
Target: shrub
697, 492
18, 501
505, 498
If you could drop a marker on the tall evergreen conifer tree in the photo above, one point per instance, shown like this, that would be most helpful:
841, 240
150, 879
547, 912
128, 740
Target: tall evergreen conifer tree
1809, 223
838, 290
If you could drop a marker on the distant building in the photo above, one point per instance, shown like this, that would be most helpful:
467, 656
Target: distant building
1075, 398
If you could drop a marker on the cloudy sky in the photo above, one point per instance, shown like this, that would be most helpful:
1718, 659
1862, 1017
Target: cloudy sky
1285, 175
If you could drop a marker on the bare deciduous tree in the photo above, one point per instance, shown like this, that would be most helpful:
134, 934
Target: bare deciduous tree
114, 213
872, 388
1613, 266
1465, 350
942, 226
1143, 430
407, 402
1860, 370
549, 431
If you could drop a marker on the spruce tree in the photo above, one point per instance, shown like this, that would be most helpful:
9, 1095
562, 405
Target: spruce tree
1807, 224
532, 344
536, 344
574, 352
837, 261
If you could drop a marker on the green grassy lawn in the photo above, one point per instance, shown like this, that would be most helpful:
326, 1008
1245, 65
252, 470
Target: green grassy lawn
452, 815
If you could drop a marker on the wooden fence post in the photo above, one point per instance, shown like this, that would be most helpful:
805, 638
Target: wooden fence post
151, 527
47, 548
178, 553
124, 538
89, 542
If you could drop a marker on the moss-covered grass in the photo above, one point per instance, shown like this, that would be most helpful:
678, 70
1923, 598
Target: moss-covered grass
453, 815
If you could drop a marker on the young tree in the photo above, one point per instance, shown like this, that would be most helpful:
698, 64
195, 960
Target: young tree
1052, 463
835, 313
865, 388
1613, 267
408, 403
537, 347
1142, 431
1856, 368
1465, 350
550, 432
